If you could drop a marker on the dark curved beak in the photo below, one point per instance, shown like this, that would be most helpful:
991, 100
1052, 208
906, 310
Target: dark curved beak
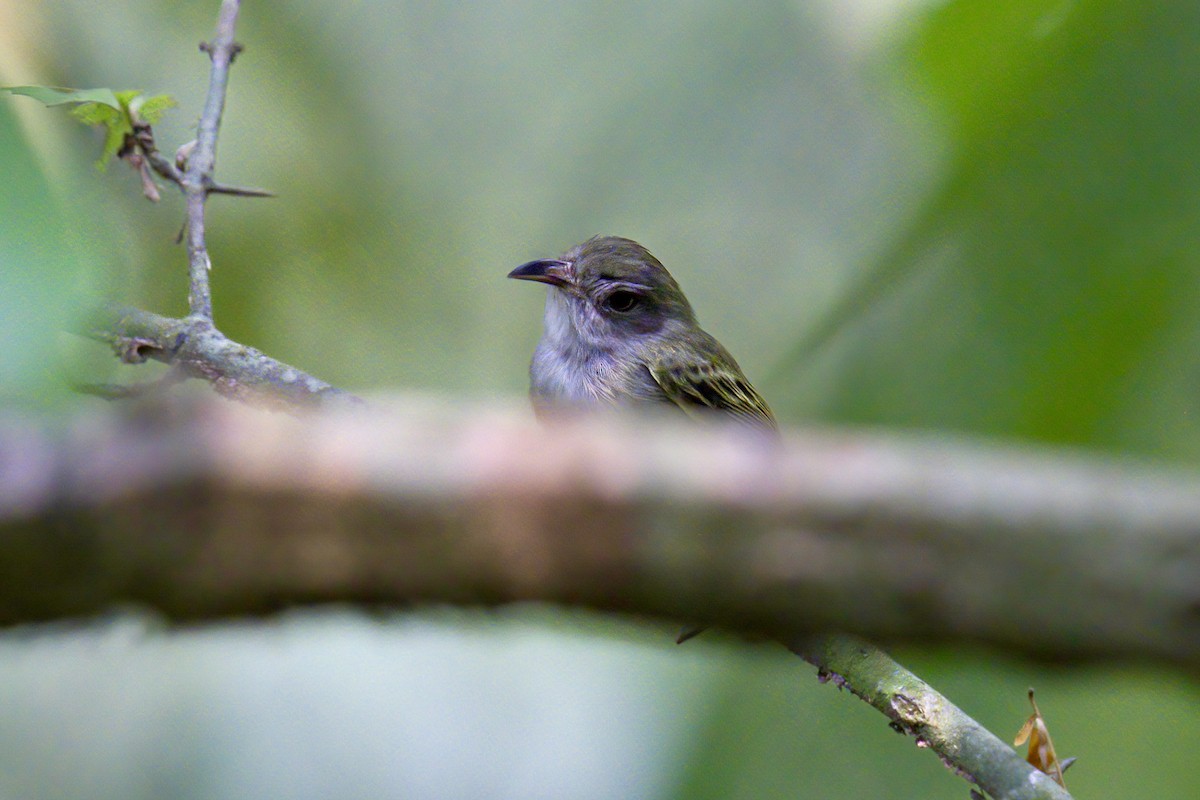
544, 270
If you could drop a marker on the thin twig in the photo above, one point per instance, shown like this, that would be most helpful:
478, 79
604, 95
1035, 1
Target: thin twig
143, 138
917, 710
199, 175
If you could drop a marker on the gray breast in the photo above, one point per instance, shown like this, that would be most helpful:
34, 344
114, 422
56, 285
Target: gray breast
572, 377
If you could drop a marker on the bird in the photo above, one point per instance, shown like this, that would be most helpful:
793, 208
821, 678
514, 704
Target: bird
619, 331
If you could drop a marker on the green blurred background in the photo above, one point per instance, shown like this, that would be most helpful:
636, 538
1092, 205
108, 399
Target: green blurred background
971, 217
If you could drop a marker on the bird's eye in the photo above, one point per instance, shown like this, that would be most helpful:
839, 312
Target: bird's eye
622, 301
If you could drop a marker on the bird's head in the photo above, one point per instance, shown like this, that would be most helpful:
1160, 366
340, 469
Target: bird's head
609, 291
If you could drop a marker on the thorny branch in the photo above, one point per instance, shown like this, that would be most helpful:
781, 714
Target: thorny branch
198, 176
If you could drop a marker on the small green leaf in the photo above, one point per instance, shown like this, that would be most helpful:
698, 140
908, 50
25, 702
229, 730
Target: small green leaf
114, 140
126, 97
55, 96
115, 111
115, 122
151, 108
96, 114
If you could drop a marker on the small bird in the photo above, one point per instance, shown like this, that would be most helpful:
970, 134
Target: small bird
618, 330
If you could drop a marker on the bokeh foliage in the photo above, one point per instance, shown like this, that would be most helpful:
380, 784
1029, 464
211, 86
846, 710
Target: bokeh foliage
1046, 287
969, 216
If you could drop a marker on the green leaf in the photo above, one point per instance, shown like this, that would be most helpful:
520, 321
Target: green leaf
115, 111
152, 107
126, 97
96, 114
56, 96
116, 123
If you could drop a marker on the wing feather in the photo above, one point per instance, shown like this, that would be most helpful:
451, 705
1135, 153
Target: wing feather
712, 383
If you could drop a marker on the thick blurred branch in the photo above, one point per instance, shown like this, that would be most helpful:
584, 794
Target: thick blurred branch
224, 511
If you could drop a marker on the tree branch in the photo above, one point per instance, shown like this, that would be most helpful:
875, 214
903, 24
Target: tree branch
916, 709
198, 177
225, 512
143, 138
195, 348
219, 511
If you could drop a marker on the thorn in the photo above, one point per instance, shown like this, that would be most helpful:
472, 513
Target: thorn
239, 191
